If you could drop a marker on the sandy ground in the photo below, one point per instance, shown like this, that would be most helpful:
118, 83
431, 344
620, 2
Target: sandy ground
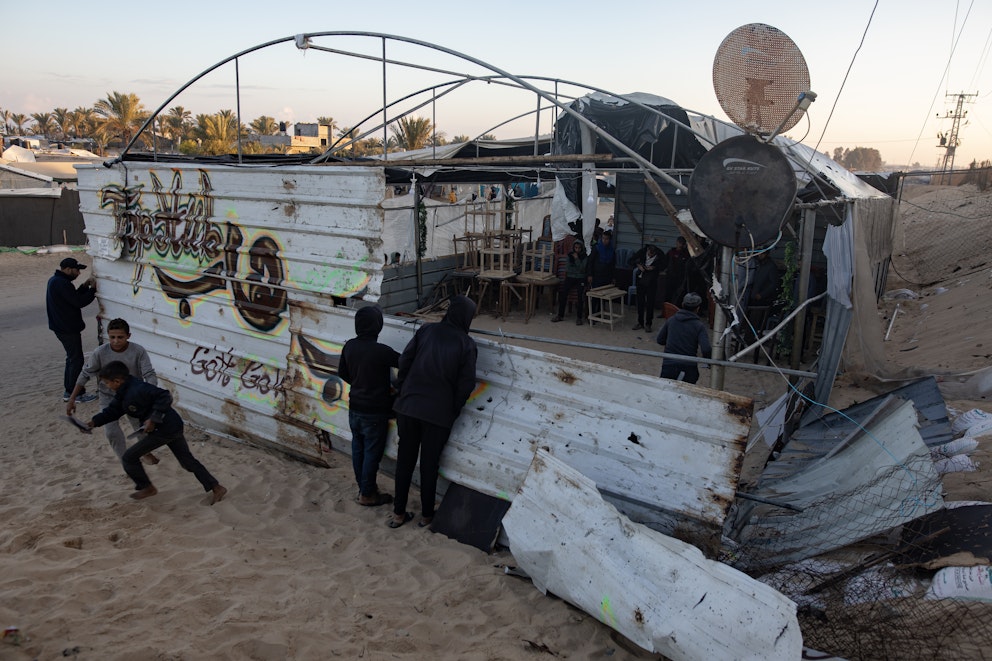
289, 566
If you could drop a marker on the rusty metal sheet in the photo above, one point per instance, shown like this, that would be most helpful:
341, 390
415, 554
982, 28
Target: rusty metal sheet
232, 279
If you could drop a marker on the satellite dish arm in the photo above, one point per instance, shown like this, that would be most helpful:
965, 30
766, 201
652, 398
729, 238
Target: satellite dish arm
802, 103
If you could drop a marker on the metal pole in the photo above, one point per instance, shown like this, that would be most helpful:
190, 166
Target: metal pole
416, 239
237, 92
385, 123
644, 352
718, 374
806, 260
537, 125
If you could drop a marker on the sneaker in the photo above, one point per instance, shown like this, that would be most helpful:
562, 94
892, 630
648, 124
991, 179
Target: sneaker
85, 397
639, 326
555, 319
66, 396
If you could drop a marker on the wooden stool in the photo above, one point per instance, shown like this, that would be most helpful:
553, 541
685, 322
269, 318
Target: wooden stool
523, 291
607, 296
484, 282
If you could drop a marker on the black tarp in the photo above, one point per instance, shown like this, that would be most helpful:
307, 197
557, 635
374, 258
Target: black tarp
659, 137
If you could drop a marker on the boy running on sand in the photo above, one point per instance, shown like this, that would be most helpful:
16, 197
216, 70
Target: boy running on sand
162, 426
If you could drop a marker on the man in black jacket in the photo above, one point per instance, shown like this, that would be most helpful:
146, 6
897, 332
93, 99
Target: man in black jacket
683, 334
648, 263
366, 365
65, 318
436, 378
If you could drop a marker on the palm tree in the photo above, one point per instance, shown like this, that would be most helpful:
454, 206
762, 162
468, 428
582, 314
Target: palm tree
42, 123
19, 121
437, 139
60, 117
412, 132
327, 121
179, 122
461, 138
347, 140
123, 115
216, 133
374, 145
5, 116
264, 125
83, 121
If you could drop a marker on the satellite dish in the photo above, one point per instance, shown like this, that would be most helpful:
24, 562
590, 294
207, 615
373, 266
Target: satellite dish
741, 191
759, 76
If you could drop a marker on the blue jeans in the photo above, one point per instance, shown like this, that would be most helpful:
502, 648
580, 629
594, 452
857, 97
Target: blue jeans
368, 442
73, 344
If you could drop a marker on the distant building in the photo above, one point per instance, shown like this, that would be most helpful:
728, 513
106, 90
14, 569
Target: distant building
305, 138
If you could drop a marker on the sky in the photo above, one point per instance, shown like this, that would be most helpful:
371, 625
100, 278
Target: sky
889, 92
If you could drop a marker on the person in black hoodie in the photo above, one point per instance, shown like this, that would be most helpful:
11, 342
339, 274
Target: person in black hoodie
436, 378
64, 304
365, 364
683, 334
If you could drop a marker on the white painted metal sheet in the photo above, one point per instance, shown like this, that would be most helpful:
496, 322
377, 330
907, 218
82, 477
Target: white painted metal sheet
657, 591
661, 450
230, 278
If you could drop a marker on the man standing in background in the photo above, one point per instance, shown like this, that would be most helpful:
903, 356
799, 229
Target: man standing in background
65, 305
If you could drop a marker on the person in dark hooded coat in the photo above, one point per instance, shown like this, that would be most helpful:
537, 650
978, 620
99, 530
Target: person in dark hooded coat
366, 365
684, 333
436, 378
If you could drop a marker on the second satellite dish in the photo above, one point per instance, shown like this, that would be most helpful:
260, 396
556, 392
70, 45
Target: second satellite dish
741, 191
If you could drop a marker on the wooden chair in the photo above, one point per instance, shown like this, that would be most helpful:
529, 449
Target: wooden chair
539, 270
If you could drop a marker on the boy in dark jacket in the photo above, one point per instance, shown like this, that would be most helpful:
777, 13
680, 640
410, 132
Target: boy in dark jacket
436, 378
162, 426
683, 334
365, 364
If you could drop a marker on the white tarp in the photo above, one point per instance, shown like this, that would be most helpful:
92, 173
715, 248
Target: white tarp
659, 592
446, 220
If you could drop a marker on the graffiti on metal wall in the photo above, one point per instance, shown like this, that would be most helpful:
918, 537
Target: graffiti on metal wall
323, 365
182, 226
223, 367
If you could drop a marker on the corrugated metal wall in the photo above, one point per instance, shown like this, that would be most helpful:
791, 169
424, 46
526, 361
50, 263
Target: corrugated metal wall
239, 282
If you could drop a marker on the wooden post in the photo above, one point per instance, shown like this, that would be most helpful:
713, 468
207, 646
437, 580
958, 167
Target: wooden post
691, 241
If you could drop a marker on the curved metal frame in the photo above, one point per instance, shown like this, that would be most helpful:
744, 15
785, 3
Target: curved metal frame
303, 42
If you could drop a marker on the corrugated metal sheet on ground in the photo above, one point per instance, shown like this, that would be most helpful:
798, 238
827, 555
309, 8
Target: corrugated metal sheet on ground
874, 480
816, 439
657, 591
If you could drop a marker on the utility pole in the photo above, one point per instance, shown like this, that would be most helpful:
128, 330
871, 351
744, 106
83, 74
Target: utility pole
949, 141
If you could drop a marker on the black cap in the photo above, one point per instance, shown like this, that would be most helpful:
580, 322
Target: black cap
71, 263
